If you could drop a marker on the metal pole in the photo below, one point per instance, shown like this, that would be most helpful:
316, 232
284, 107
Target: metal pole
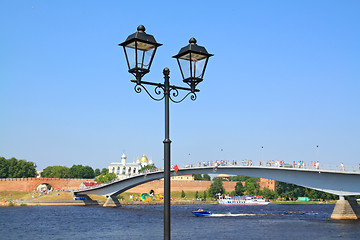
167, 143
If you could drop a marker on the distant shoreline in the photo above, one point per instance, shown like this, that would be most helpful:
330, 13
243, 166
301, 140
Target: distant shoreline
66, 199
100, 203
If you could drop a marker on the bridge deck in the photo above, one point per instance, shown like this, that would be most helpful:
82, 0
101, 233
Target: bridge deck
343, 183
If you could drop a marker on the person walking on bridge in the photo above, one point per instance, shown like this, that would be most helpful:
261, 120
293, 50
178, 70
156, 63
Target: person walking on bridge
342, 167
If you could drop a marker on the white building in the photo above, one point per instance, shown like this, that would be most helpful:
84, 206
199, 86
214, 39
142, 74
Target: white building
124, 169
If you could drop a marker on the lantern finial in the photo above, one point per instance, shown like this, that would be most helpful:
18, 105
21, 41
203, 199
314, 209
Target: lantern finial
141, 28
192, 41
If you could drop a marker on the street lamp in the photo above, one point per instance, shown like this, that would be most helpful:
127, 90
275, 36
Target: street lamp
192, 61
140, 49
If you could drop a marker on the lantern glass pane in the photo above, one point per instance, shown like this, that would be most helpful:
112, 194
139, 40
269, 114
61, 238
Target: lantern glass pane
185, 68
144, 58
198, 67
144, 53
130, 53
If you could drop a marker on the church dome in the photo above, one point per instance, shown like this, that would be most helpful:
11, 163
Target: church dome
144, 159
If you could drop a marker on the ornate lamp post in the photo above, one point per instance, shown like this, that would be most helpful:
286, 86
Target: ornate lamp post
140, 49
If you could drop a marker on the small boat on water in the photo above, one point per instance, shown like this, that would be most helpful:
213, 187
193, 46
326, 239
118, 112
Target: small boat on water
201, 213
242, 200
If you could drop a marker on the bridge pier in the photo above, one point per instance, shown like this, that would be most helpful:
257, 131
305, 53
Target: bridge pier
88, 201
112, 201
346, 209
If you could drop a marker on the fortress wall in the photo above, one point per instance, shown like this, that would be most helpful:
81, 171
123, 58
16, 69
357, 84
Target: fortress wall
192, 185
268, 183
13, 184
178, 186
30, 184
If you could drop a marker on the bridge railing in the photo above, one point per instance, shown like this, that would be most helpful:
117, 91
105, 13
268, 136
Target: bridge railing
277, 164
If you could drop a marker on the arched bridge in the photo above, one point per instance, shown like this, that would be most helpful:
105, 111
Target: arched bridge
335, 182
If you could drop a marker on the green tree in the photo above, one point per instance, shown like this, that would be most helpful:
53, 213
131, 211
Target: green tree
104, 171
216, 187
291, 191
148, 167
219, 179
88, 172
182, 194
312, 194
80, 171
239, 178
56, 172
97, 172
198, 177
196, 194
105, 177
251, 186
239, 189
206, 177
269, 194
205, 195
13, 168
4, 168
25, 169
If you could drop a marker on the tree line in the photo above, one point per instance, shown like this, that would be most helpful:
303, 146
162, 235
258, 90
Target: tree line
284, 191
76, 171
14, 168
200, 177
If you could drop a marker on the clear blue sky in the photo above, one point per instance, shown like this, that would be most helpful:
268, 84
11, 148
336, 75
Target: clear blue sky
285, 75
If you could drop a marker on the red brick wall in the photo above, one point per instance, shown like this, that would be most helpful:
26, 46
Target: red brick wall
268, 183
30, 184
178, 186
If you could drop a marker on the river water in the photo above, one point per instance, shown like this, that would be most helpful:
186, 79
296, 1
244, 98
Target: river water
146, 222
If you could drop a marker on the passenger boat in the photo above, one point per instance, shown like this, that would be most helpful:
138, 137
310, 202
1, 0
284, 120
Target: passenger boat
201, 213
242, 200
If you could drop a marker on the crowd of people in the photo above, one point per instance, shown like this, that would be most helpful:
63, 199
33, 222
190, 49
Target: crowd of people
268, 163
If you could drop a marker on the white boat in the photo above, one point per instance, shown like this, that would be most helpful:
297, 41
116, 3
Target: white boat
242, 200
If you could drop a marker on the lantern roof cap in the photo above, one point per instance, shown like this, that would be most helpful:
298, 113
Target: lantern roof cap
193, 48
141, 36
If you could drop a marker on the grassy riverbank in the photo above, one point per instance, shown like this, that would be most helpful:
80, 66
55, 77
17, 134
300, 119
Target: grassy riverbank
7, 196
127, 198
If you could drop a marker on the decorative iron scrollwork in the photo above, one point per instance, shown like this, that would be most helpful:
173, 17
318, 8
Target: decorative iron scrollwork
158, 90
192, 97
